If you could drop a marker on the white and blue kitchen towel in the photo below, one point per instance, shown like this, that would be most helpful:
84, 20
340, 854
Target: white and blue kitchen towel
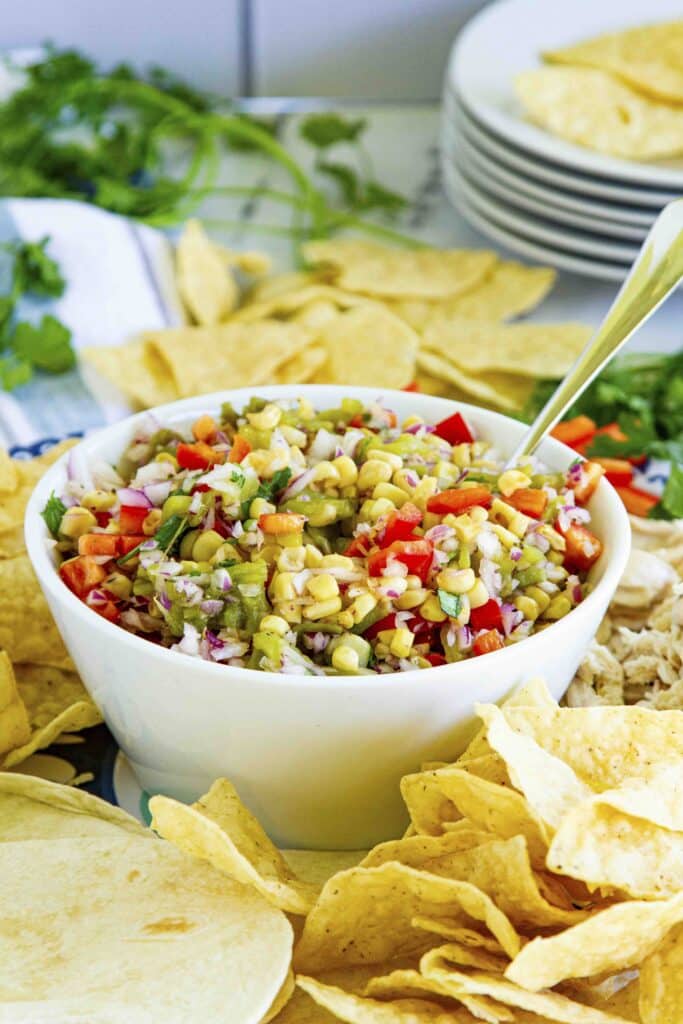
119, 278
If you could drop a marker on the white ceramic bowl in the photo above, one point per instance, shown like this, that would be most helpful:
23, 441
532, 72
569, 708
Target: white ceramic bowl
317, 759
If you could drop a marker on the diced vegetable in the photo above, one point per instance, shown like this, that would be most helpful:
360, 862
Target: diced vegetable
619, 472
454, 429
487, 616
583, 548
457, 501
531, 501
416, 555
240, 449
81, 574
575, 431
584, 487
131, 518
281, 522
400, 525
485, 643
637, 502
198, 456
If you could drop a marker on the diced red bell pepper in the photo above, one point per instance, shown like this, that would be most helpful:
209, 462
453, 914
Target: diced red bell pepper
454, 429
637, 502
359, 546
485, 643
400, 525
413, 386
388, 622
126, 544
583, 548
81, 574
107, 609
575, 431
531, 501
103, 518
99, 544
198, 456
415, 554
357, 421
436, 659
240, 449
131, 518
619, 472
487, 616
459, 500
591, 475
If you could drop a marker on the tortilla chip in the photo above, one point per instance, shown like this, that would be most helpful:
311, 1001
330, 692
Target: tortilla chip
401, 984
368, 343
591, 108
279, 284
9, 480
364, 915
220, 829
81, 715
647, 57
661, 981
136, 370
462, 936
301, 367
14, 724
532, 694
429, 808
12, 542
419, 851
206, 286
362, 1010
549, 785
281, 999
616, 742
292, 301
200, 360
548, 1005
316, 314
611, 940
509, 290
33, 808
526, 350
314, 867
47, 691
505, 391
252, 261
656, 796
378, 270
27, 629
603, 847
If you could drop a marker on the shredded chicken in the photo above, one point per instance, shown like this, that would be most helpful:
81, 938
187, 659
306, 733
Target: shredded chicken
637, 654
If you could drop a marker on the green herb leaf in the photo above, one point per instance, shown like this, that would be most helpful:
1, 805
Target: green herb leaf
267, 489
53, 513
451, 604
344, 177
325, 130
165, 537
7, 303
46, 345
14, 373
34, 271
670, 505
377, 197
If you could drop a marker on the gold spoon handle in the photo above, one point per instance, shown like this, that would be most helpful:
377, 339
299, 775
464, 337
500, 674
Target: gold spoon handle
656, 272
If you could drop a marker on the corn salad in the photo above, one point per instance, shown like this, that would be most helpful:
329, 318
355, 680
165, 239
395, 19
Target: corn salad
340, 541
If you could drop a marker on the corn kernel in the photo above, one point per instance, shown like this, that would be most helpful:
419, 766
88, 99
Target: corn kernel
292, 559
527, 606
393, 494
267, 463
206, 545
118, 585
98, 501
337, 562
395, 583
293, 436
269, 554
373, 472
322, 587
225, 551
345, 619
261, 507
555, 539
539, 596
76, 521
325, 471
432, 610
380, 507
411, 599
306, 410
323, 514
323, 609
412, 421
424, 491
400, 479
506, 537
520, 524
347, 470
460, 456
167, 457
314, 557
151, 522
385, 636
456, 581
267, 419
391, 459
362, 606
512, 480
413, 582
446, 471
345, 659
430, 519
274, 624
478, 595
289, 610
282, 587
478, 515
558, 607
556, 557
401, 643
465, 529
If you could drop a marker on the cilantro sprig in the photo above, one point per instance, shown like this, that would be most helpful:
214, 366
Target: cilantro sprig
268, 489
53, 513
25, 347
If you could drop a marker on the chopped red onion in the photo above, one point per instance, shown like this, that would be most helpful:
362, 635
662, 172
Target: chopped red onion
515, 554
140, 621
133, 497
209, 520
298, 484
577, 593
212, 606
511, 617
488, 543
191, 592
197, 503
190, 641
316, 642
237, 529
158, 493
350, 441
322, 446
440, 532
300, 580
490, 576
569, 514
464, 638
221, 579
165, 601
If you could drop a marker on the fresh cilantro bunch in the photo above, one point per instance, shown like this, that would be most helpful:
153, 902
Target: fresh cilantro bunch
25, 346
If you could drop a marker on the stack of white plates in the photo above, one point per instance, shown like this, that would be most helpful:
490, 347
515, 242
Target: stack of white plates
528, 190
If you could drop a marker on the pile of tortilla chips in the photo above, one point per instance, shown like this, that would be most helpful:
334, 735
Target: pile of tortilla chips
363, 314
620, 94
42, 699
541, 879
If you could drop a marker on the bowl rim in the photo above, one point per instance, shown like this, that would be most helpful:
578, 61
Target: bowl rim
35, 532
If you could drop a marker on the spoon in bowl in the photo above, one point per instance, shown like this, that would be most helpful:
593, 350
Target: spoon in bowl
658, 269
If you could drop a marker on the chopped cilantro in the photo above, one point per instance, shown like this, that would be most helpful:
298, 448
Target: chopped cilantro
670, 505
53, 513
267, 489
47, 345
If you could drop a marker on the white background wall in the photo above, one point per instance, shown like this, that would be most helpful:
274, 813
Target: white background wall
385, 49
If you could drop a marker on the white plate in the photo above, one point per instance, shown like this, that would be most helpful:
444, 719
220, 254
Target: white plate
538, 171
533, 251
508, 37
465, 160
543, 231
507, 184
